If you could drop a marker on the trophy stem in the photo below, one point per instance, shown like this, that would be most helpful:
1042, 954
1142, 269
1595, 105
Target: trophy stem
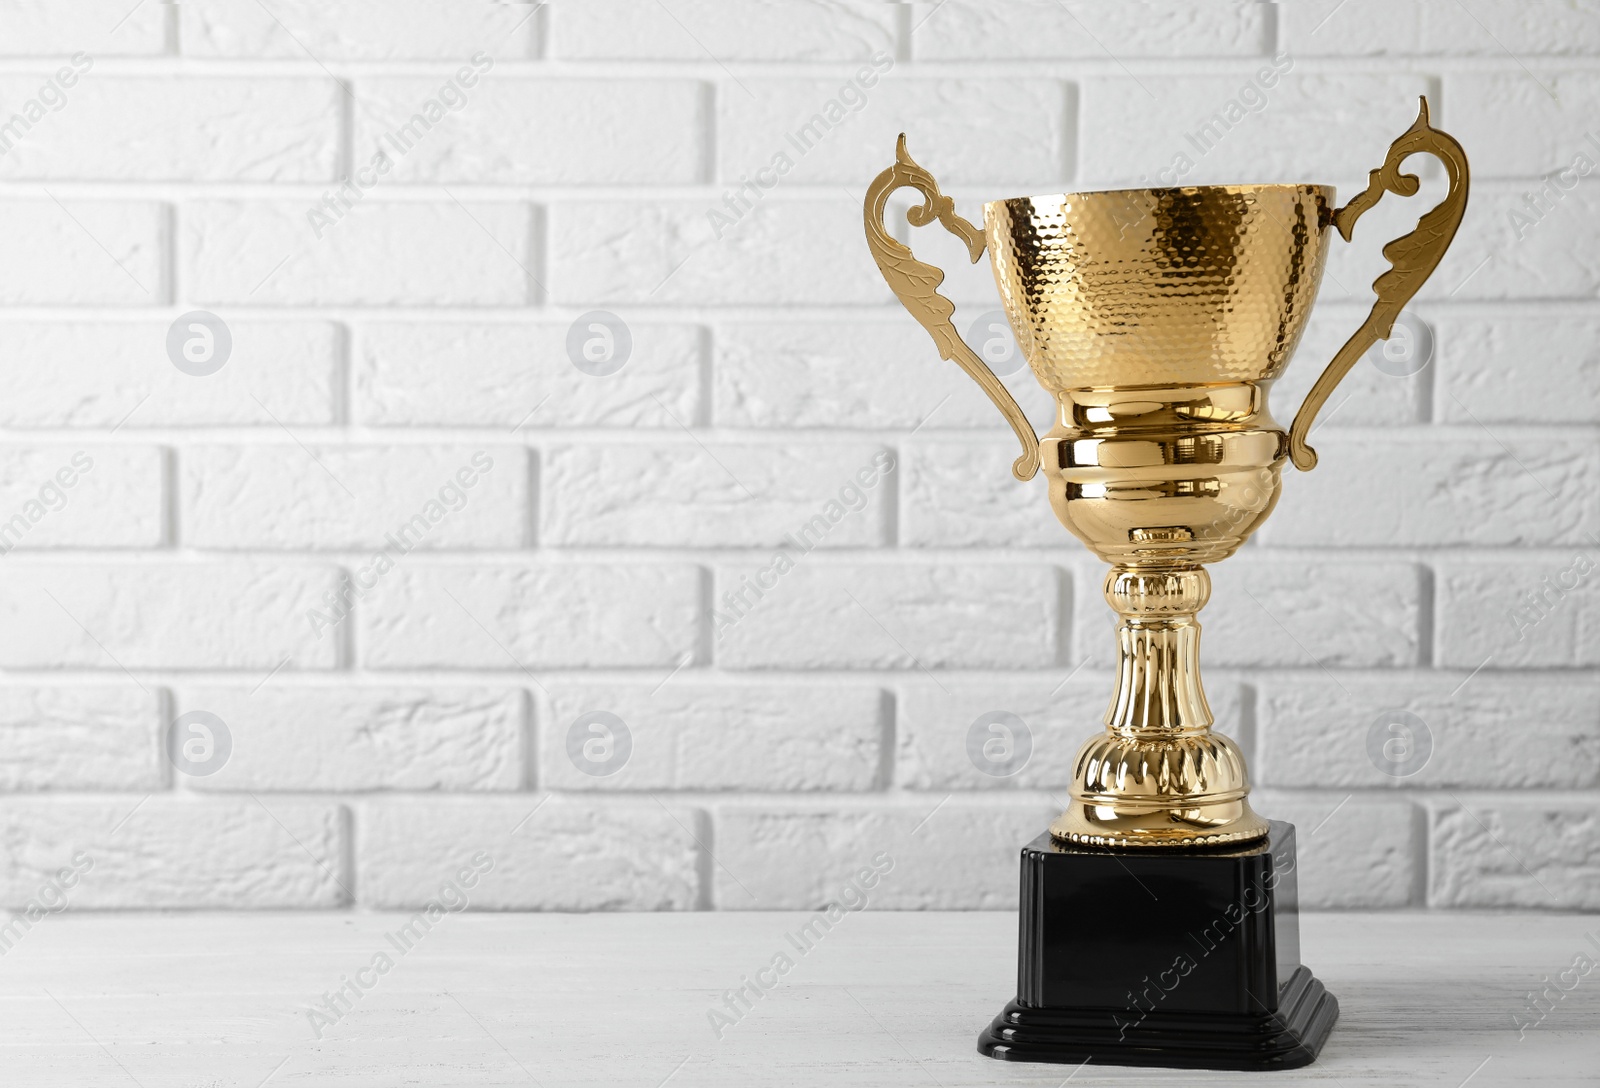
1159, 695
1158, 776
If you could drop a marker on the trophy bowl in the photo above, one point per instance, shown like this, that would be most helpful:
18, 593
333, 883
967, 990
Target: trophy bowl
1158, 319
1160, 287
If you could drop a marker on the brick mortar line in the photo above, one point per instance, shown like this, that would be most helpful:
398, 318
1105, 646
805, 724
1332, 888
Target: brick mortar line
887, 314
510, 678
688, 194
891, 798
359, 437
255, 435
1075, 561
1095, 66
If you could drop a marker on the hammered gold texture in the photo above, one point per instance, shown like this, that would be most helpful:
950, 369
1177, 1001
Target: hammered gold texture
1158, 318
1160, 287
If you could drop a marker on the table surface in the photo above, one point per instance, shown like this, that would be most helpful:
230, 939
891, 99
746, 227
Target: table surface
212, 1000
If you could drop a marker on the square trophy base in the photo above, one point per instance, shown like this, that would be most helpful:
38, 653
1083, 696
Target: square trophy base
1181, 958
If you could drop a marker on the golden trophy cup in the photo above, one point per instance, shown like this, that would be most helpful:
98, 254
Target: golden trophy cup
1158, 319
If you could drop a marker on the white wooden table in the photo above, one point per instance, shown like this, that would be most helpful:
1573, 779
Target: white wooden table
203, 1000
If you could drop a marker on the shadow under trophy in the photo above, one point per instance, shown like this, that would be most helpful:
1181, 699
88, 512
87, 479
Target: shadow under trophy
1158, 921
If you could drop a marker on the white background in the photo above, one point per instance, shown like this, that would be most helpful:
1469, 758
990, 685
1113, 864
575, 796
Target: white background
375, 353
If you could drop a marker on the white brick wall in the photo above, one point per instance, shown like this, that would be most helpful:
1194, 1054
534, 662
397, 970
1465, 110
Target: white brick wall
624, 555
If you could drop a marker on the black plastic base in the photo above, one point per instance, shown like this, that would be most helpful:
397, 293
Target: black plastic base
1286, 1039
1187, 959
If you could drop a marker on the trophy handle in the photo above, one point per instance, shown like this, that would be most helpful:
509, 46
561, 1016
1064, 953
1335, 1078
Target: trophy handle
916, 285
1412, 259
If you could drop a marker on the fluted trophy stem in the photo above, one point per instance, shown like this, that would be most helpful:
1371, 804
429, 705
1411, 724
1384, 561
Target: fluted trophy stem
1158, 694
1158, 776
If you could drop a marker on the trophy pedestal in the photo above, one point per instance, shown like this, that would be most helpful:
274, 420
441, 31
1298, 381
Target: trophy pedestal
1180, 958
